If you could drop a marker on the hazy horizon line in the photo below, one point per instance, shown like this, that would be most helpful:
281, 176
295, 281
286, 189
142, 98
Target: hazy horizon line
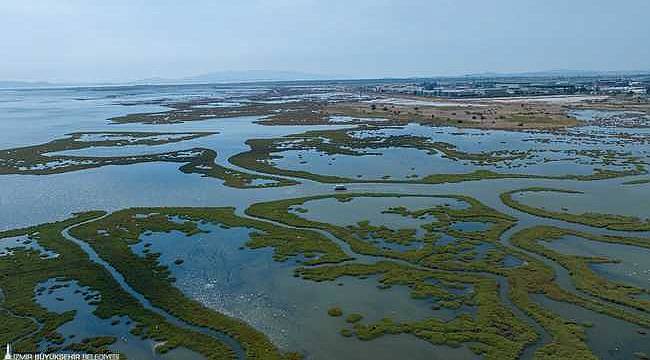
196, 79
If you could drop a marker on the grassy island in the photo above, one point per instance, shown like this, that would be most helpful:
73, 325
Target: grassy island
263, 152
49, 158
608, 221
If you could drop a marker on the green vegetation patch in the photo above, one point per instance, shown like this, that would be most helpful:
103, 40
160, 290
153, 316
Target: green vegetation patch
584, 278
501, 333
608, 221
358, 236
452, 276
283, 113
637, 182
25, 323
568, 338
43, 159
335, 312
341, 142
112, 236
354, 318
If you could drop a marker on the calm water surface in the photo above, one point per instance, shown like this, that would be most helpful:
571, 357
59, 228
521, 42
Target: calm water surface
248, 284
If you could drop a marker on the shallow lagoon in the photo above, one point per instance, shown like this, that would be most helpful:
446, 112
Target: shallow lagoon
29, 117
634, 266
248, 284
608, 338
388, 163
62, 296
545, 154
373, 209
482, 141
629, 200
26, 200
10, 244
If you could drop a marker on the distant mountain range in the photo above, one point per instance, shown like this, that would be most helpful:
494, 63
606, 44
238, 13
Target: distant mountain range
23, 84
238, 76
213, 77
269, 75
561, 73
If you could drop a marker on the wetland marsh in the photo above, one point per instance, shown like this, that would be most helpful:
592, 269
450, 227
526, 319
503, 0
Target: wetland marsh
317, 221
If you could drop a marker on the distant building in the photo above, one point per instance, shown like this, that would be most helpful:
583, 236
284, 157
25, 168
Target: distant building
519, 86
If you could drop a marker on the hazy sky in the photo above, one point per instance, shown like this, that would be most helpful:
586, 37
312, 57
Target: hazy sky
113, 40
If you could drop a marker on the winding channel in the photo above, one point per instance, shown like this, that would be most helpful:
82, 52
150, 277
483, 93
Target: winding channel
562, 279
504, 289
562, 276
94, 257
